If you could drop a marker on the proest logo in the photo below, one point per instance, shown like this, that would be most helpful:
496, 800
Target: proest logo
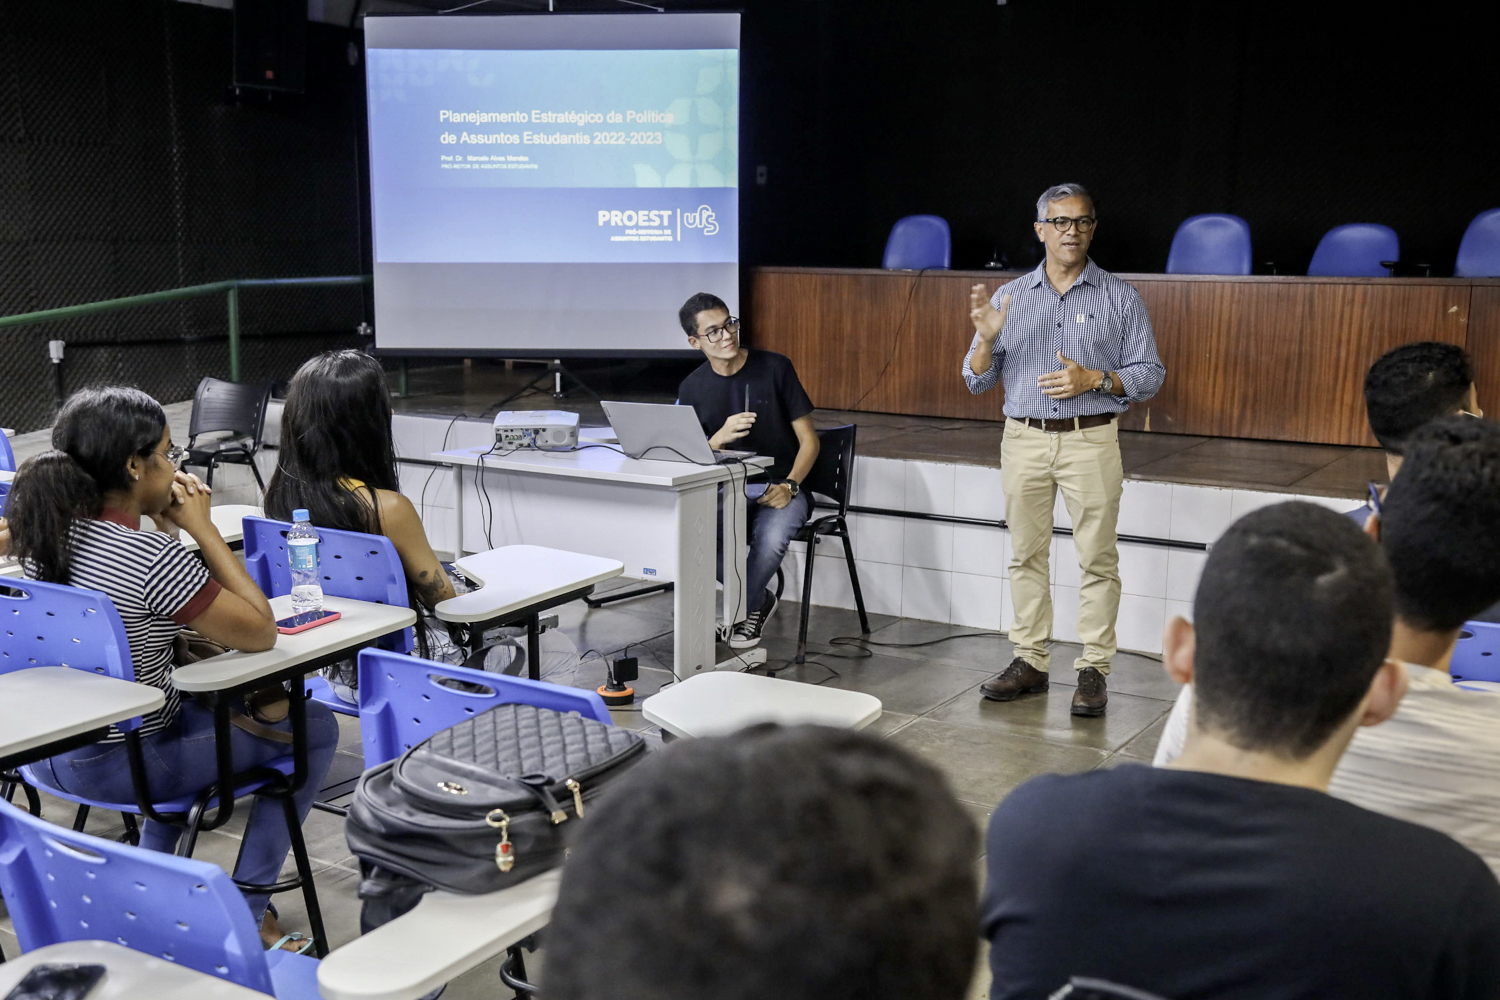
702, 219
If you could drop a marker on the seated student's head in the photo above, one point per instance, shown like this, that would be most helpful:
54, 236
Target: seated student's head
1412, 384
1440, 524
1291, 624
109, 445
709, 327
800, 864
335, 436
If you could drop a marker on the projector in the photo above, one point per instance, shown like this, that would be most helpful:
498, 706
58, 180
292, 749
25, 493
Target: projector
548, 430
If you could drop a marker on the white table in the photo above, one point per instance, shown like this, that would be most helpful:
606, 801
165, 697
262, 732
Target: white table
517, 583
6, 475
130, 975
445, 936
659, 519
720, 703
42, 708
362, 622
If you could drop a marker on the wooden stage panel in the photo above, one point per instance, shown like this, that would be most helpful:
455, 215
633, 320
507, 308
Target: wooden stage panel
1278, 358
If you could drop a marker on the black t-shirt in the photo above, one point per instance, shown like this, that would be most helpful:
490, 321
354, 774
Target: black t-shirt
776, 397
1203, 887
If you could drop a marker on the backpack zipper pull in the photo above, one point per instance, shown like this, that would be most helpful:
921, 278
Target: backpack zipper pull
505, 851
577, 790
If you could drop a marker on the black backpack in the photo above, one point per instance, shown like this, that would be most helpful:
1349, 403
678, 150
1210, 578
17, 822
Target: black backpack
480, 806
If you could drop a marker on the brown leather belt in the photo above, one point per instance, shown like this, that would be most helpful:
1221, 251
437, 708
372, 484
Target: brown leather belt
1070, 424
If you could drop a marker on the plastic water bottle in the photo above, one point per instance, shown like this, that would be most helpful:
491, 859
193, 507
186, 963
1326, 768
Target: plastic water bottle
302, 555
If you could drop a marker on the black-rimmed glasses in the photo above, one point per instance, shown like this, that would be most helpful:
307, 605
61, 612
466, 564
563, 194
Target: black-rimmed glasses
1062, 223
728, 328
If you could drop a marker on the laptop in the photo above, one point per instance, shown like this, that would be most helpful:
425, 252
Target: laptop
665, 433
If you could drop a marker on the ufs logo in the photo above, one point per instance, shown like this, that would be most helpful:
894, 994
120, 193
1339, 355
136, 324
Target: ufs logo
702, 219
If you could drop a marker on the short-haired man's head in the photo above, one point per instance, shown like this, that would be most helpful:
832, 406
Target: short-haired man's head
804, 864
1440, 523
1412, 384
1293, 619
1058, 192
701, 302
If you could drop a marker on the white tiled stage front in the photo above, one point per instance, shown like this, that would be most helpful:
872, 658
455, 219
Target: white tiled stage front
926, 569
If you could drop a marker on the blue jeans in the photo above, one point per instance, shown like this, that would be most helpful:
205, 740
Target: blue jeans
770, 532
180, 760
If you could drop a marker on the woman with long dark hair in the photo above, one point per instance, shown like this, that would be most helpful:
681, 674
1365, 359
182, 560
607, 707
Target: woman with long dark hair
75, 518
338, 461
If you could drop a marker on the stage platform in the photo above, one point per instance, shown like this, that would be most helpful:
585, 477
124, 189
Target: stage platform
927, 538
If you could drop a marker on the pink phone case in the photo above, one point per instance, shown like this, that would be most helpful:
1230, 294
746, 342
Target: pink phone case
332, 616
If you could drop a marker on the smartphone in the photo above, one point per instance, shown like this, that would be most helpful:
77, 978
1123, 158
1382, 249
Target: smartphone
308, 619
57, 982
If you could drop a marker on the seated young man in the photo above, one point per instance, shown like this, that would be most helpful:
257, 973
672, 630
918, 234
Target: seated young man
1409, 385
797, 864
752, 400
1437, 760
1231, 874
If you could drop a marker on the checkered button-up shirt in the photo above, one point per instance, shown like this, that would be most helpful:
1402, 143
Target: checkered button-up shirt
1100, 322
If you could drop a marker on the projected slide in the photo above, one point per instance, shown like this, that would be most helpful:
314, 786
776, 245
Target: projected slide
551, 184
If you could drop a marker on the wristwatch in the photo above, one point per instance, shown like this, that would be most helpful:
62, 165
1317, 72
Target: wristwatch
1106, 385
796, 486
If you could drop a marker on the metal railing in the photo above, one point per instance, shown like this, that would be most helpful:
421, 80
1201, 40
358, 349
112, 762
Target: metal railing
230, 289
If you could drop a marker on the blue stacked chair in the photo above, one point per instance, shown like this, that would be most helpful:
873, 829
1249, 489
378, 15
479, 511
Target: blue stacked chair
919, 242
1476, 657
7, 457
60, 885
1210, 244
354, 565
1479, 253
1358, 250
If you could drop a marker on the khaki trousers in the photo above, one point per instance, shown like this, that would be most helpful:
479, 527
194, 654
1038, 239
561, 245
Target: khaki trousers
1085, 465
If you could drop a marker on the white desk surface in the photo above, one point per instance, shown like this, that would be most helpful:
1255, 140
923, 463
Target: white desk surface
594, 463
6, 475
514, 576
44, 705
130, 975
362, 621
444, 937
715, 704
229, 519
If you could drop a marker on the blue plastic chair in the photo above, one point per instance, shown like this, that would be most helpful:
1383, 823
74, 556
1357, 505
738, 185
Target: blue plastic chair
355, 565
7, 457
1479, 252
65, 886
401, 702
49, 624
1476, 657
1356, 251
4, 492
1210, 244
919, 242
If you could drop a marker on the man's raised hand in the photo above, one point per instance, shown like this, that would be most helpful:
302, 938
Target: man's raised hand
988, 321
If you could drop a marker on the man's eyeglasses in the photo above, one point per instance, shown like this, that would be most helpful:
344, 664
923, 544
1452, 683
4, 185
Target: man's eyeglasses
1062, 223
176, 455
728, 328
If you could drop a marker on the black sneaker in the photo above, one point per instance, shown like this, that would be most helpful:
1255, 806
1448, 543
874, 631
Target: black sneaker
747, 632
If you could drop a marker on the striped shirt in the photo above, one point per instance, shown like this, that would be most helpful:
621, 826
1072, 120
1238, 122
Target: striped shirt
155, 584
1435, 762
1100, 322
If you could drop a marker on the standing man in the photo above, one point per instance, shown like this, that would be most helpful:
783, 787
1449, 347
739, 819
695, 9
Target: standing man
752, 400
1074, 346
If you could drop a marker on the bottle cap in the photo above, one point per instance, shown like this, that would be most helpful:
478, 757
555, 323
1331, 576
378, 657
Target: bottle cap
300, 514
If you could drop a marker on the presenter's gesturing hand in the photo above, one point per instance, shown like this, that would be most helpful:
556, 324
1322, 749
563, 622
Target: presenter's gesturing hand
988, 322
1073, 380
736, 427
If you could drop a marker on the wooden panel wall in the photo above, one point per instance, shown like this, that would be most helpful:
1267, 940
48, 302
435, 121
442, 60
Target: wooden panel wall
1277, 358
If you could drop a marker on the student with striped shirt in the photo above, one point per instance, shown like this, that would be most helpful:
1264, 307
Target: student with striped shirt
75, 518
1437, 760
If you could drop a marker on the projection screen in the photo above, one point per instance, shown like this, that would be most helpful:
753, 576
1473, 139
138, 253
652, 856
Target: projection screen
552, 184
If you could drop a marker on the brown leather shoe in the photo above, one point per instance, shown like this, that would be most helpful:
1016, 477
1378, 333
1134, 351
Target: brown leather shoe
1018, 678
1090, 697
